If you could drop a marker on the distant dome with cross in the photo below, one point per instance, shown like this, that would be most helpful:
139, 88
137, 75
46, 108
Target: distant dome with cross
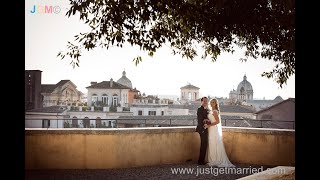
245, 84
245, 90
124, 80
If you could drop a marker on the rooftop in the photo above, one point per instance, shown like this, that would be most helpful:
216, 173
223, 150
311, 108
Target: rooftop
49, 88
223, 108
189, 86
106, 85
275, 105
50, 109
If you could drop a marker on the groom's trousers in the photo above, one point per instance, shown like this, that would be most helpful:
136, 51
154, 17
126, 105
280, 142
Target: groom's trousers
203, 146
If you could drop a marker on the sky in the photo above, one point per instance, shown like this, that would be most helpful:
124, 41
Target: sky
163, 74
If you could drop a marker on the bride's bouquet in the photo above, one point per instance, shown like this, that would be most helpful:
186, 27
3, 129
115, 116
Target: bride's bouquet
207, 121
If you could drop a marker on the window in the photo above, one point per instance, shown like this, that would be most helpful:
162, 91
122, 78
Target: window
162, 113
140, 113
152, 113
115, 101
45, 123
109, 124
98, 122
105, 100
94, 98
86, 122
74, 122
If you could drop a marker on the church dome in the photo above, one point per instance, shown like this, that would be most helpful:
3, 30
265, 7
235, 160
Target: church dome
246, 85
278, 99
124, 80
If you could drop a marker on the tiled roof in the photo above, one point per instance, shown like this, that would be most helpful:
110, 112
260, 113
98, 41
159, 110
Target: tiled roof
236, 109
62, 82
149, 105
223, 108
106, 85
160, 120
189, 86
49, 88
50, 109
176, 117
134, 90
183, 106
231, 121
260, 101
158, 117
167, 122
273, 106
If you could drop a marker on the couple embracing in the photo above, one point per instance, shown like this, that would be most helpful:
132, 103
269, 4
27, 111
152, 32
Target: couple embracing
212, 151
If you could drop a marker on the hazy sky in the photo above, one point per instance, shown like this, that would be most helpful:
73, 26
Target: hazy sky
163, 74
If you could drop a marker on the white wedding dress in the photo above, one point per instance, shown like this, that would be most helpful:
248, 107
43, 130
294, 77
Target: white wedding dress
216, 154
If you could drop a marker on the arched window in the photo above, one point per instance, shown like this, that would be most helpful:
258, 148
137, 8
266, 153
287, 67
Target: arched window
115, 100
109, 125
94, 98
242, 93
98, 122
105, 100
86, 122
75, 122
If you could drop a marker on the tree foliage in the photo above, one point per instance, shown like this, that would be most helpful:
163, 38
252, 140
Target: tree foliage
265, 28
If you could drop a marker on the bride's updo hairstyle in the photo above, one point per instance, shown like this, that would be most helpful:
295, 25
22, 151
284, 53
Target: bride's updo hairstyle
216, 104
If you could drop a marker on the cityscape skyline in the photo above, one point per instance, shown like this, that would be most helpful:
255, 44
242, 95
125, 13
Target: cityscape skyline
162, 74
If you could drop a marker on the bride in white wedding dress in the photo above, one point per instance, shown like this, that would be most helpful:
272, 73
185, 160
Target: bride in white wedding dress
216, 154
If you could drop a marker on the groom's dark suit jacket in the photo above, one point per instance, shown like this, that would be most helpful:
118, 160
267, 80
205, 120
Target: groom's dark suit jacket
202, 114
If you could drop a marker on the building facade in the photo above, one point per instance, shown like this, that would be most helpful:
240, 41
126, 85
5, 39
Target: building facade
133, 94
282, 114
189, 93
46, 117
108, 93
32, 90
154, 106
62, 93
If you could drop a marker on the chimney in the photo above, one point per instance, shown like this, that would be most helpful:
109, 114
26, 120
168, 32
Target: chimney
111, 82
92, 82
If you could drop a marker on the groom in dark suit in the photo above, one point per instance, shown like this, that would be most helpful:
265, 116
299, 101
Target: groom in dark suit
202, 114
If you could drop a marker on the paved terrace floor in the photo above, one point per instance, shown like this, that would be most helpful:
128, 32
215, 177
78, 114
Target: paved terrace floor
149, 172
